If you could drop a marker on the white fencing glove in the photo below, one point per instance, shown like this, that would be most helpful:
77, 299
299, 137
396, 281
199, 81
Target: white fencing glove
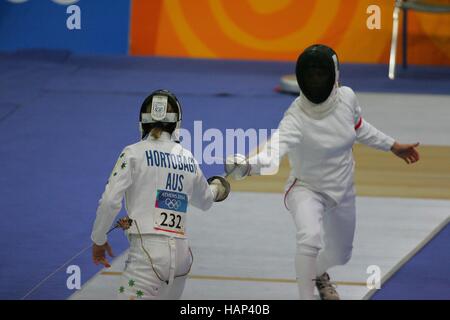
220, 187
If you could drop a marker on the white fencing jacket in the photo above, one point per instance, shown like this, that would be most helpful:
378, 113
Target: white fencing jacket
318, 140
158, 178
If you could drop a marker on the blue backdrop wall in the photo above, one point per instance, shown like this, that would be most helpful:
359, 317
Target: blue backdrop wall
42, 24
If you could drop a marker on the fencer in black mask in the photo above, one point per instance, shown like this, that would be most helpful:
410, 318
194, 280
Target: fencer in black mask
317, 72
317, 133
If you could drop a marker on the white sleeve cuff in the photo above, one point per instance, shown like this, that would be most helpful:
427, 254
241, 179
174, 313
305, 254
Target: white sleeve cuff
389, 142
99, 240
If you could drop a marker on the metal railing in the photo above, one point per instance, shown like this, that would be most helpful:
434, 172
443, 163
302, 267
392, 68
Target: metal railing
431, 6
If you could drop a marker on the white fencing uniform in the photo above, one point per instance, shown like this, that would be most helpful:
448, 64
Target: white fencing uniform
159, 179
320, 193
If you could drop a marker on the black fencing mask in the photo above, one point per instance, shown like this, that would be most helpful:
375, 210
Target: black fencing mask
317, 72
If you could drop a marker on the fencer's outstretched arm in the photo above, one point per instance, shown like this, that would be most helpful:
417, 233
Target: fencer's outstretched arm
203, 196
365, 132
206, 192
111, 200
369, 135
372, 137
288, 134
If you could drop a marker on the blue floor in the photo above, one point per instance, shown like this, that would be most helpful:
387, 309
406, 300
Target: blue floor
425, 276
64, 119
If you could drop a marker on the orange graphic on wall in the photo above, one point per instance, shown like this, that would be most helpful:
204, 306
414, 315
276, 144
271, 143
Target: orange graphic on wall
279, 30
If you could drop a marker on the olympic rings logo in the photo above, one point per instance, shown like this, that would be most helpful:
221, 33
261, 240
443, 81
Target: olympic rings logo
172, 203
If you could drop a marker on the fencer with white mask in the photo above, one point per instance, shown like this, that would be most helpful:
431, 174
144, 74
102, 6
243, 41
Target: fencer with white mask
317, 132
158, 179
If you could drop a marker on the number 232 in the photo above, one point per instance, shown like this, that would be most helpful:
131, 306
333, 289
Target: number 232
172, 222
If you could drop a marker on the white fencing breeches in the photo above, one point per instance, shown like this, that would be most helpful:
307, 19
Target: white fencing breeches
155, 273
324, 233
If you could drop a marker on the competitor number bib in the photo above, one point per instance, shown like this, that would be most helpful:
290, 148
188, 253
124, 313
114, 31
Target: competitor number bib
170, 212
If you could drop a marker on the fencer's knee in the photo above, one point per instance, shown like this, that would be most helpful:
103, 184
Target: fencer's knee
308, 242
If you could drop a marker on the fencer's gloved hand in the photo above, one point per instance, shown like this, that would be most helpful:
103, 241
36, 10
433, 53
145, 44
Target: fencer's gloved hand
220, 187
237, 166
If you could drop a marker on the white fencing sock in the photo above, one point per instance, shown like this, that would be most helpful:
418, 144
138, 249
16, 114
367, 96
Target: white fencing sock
305, 267
323, 264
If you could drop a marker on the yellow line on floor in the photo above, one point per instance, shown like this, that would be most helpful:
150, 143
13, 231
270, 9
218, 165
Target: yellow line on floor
249, 279
111, 273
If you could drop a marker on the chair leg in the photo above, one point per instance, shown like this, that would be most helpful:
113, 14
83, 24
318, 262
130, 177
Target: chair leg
394, 43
